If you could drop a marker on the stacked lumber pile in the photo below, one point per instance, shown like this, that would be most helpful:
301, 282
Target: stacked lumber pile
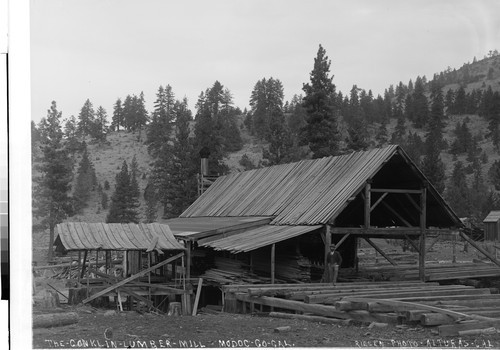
228, 271
453, 308
433, 272
291, 267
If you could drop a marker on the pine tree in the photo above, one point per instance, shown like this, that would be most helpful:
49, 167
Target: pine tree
118, 119
321, 132
123, 207
100, 125
160, 129
174, 173
51, 200
85, 182
432, 165
208, 128
86, 119
71, 135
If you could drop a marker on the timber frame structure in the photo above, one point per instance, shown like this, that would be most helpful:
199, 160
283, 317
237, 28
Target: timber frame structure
148, 265
379, 193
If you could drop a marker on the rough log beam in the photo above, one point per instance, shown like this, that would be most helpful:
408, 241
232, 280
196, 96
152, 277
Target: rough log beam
395, 190
399, 231
380, 251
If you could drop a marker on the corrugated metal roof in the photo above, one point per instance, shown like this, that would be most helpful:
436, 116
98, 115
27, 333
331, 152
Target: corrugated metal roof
258, 238
93, 236
493, 216
308, 192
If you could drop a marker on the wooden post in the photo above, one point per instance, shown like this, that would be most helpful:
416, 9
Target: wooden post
84, 264
423, 223
125, 263
273, 264
328, 242
108, 261
88, 275
188, 259
368, 200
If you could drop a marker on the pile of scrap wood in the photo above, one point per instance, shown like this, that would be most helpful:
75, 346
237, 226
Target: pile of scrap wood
230, 271
454, 308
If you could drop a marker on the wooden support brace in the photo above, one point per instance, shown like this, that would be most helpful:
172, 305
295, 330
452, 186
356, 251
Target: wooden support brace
370, 242
485, 253
412, 243
133, 277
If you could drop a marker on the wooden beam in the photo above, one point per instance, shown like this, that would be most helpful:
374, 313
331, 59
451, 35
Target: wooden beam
315, 309
485, 253
412, 243
395, 213
328, 242
133, 277
395, 190
84, 264
273, 262
378, 201
368, 200
339, 243
388, 231
380, 251
188, 258
197, 298
415, 205
418, 306
423, 224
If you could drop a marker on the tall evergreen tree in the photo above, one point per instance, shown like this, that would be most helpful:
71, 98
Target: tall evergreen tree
51, 200
160, 128
432, 165
321, 131
174, 173
100, 125
124, 206
86, 181
86, 119
118, 118
208, 127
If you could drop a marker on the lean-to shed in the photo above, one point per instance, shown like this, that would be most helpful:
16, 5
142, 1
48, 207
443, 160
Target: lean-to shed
378, 193
492, 226
141, 254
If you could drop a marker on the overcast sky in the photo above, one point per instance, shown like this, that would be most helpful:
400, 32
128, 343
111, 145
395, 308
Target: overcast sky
106, 49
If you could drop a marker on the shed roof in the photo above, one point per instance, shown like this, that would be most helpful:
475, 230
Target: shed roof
94, 236
493, 216
312, 192
258, 237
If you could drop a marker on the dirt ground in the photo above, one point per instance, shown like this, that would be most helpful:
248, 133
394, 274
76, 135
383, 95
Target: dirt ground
107, 328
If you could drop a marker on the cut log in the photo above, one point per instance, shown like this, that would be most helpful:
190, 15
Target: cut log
54, 320
310, 318
434, 319
320, 310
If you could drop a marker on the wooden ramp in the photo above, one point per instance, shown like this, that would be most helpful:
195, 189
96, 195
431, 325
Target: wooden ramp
452, 308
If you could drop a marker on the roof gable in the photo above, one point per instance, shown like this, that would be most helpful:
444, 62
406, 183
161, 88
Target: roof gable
308, 192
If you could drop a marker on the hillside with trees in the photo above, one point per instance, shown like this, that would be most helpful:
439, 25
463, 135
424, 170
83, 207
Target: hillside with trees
134, 165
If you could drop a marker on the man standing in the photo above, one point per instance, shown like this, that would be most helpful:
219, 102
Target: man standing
334, 260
